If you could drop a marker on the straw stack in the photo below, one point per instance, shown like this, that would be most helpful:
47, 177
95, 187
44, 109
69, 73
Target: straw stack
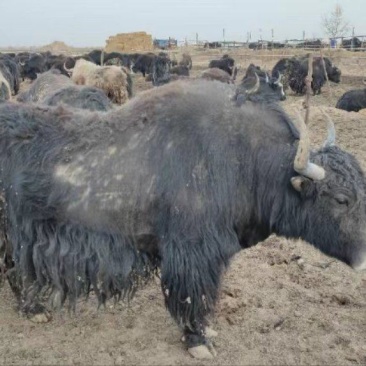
129, 42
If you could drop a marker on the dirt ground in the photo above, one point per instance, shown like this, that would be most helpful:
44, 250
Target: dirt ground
282, 302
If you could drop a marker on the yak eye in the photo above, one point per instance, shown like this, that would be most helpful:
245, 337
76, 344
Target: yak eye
342, 200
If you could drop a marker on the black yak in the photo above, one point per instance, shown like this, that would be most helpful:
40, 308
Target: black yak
178, 178
144, 63
32, 65
353, 44
295, 70
226, 63
160, 71
353, 100
212, 45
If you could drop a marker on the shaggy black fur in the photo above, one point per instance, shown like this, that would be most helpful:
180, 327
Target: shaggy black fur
178, 177
353, 100
144, 63
32, 65
160, 71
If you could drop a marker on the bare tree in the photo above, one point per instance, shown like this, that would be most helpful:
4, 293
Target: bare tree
334, 24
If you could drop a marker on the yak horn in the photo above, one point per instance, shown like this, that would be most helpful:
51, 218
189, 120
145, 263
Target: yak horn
302, 165
235, 72
279, 78
21, 63
68, 70
255, 87
267, 78
331, 138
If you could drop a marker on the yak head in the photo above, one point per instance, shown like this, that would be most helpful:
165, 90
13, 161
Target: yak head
265, 90
334, 74
329, 200
277, 86
230, 62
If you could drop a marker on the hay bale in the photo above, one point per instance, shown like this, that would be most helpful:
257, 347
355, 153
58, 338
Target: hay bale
129, 42
57, 47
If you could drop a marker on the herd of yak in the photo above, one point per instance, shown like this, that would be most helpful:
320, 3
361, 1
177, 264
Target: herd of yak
352, 44
96, 80
177, 180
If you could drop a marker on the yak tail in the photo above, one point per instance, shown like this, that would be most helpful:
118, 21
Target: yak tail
67, 261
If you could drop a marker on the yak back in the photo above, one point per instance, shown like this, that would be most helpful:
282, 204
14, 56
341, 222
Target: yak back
352, 100
45, 85
182, 149
78, 96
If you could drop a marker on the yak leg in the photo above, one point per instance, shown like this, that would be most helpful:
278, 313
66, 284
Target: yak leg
34, 311
190, 277
22, 278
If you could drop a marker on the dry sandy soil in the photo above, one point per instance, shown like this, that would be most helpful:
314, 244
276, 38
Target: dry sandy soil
282, 302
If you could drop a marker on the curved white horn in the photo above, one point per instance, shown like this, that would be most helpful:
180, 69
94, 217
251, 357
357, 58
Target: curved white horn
331, 137
302, 164
68, 70
279, 78
255, 87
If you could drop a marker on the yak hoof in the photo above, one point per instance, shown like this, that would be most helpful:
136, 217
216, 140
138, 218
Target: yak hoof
39, 314
40, 318
210, 333
202, 352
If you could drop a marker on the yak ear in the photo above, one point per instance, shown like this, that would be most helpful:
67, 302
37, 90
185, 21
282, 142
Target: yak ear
300, 183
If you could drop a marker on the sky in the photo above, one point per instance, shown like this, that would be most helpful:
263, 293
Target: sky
89, 23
